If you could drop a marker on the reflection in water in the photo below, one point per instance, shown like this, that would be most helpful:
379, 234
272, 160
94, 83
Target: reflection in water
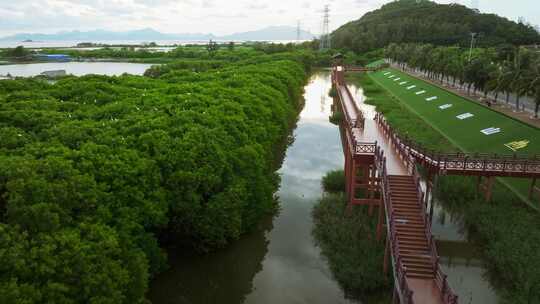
279, 263
447, 226
462, 263
221, 277
293, 270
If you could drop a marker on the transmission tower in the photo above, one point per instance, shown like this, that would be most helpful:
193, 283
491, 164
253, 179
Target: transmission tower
298, 31
325, 36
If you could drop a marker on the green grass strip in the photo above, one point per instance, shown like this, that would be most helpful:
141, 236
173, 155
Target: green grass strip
463, 134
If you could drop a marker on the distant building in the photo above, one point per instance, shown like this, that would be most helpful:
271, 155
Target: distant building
6, 77
85, 44
53, 57
54, 73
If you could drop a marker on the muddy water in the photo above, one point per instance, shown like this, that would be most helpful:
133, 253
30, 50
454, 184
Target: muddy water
460, 259
278, 263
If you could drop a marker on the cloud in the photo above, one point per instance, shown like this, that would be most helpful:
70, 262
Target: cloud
176, 16
227, 16
257, 6
207, 3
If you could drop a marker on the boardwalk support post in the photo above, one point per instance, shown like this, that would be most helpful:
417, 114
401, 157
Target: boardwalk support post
487, 187
380, 220
386, 255
478, 184
395, 298
369, 172
533, 189
429, 188
432, 201
352, 183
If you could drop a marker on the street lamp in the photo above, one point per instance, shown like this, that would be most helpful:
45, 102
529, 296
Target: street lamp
473, 35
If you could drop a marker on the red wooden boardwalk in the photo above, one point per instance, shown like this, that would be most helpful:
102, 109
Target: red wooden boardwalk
412, 251
413, 245
383, 165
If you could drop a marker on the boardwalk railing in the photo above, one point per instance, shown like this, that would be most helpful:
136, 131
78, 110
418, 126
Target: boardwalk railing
465, 163
447, 294
400, 273
354, 122
361, 69
353, 115
364, 147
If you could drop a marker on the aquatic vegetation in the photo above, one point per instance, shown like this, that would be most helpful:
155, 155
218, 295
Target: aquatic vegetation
334, 181
347, 240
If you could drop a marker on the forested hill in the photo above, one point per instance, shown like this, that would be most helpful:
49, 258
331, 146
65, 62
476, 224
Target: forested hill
429, 22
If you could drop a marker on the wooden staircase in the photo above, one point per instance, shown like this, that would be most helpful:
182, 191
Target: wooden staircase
410, 227
418, 277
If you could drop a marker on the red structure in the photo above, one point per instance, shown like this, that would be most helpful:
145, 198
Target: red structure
382, 174
360, 69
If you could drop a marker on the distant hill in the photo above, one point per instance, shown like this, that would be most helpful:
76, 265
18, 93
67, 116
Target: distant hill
97, 35
269, 33
429, 22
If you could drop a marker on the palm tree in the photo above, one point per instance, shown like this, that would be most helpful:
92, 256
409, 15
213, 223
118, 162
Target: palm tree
519, 84
471, 74
505, 82
534, 85
494, 83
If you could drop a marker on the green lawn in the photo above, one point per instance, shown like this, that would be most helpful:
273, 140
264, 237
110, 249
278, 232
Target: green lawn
375, 64
464, 134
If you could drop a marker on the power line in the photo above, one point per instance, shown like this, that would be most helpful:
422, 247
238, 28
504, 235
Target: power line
325, 36
298, 31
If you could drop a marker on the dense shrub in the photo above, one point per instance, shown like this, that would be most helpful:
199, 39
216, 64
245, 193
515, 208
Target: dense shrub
334, 181
336, 118
347, 240
333, 92
91, 168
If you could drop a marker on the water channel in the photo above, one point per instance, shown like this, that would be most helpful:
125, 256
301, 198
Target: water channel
278, 262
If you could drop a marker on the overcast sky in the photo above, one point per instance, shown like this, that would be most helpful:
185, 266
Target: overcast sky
206, 16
